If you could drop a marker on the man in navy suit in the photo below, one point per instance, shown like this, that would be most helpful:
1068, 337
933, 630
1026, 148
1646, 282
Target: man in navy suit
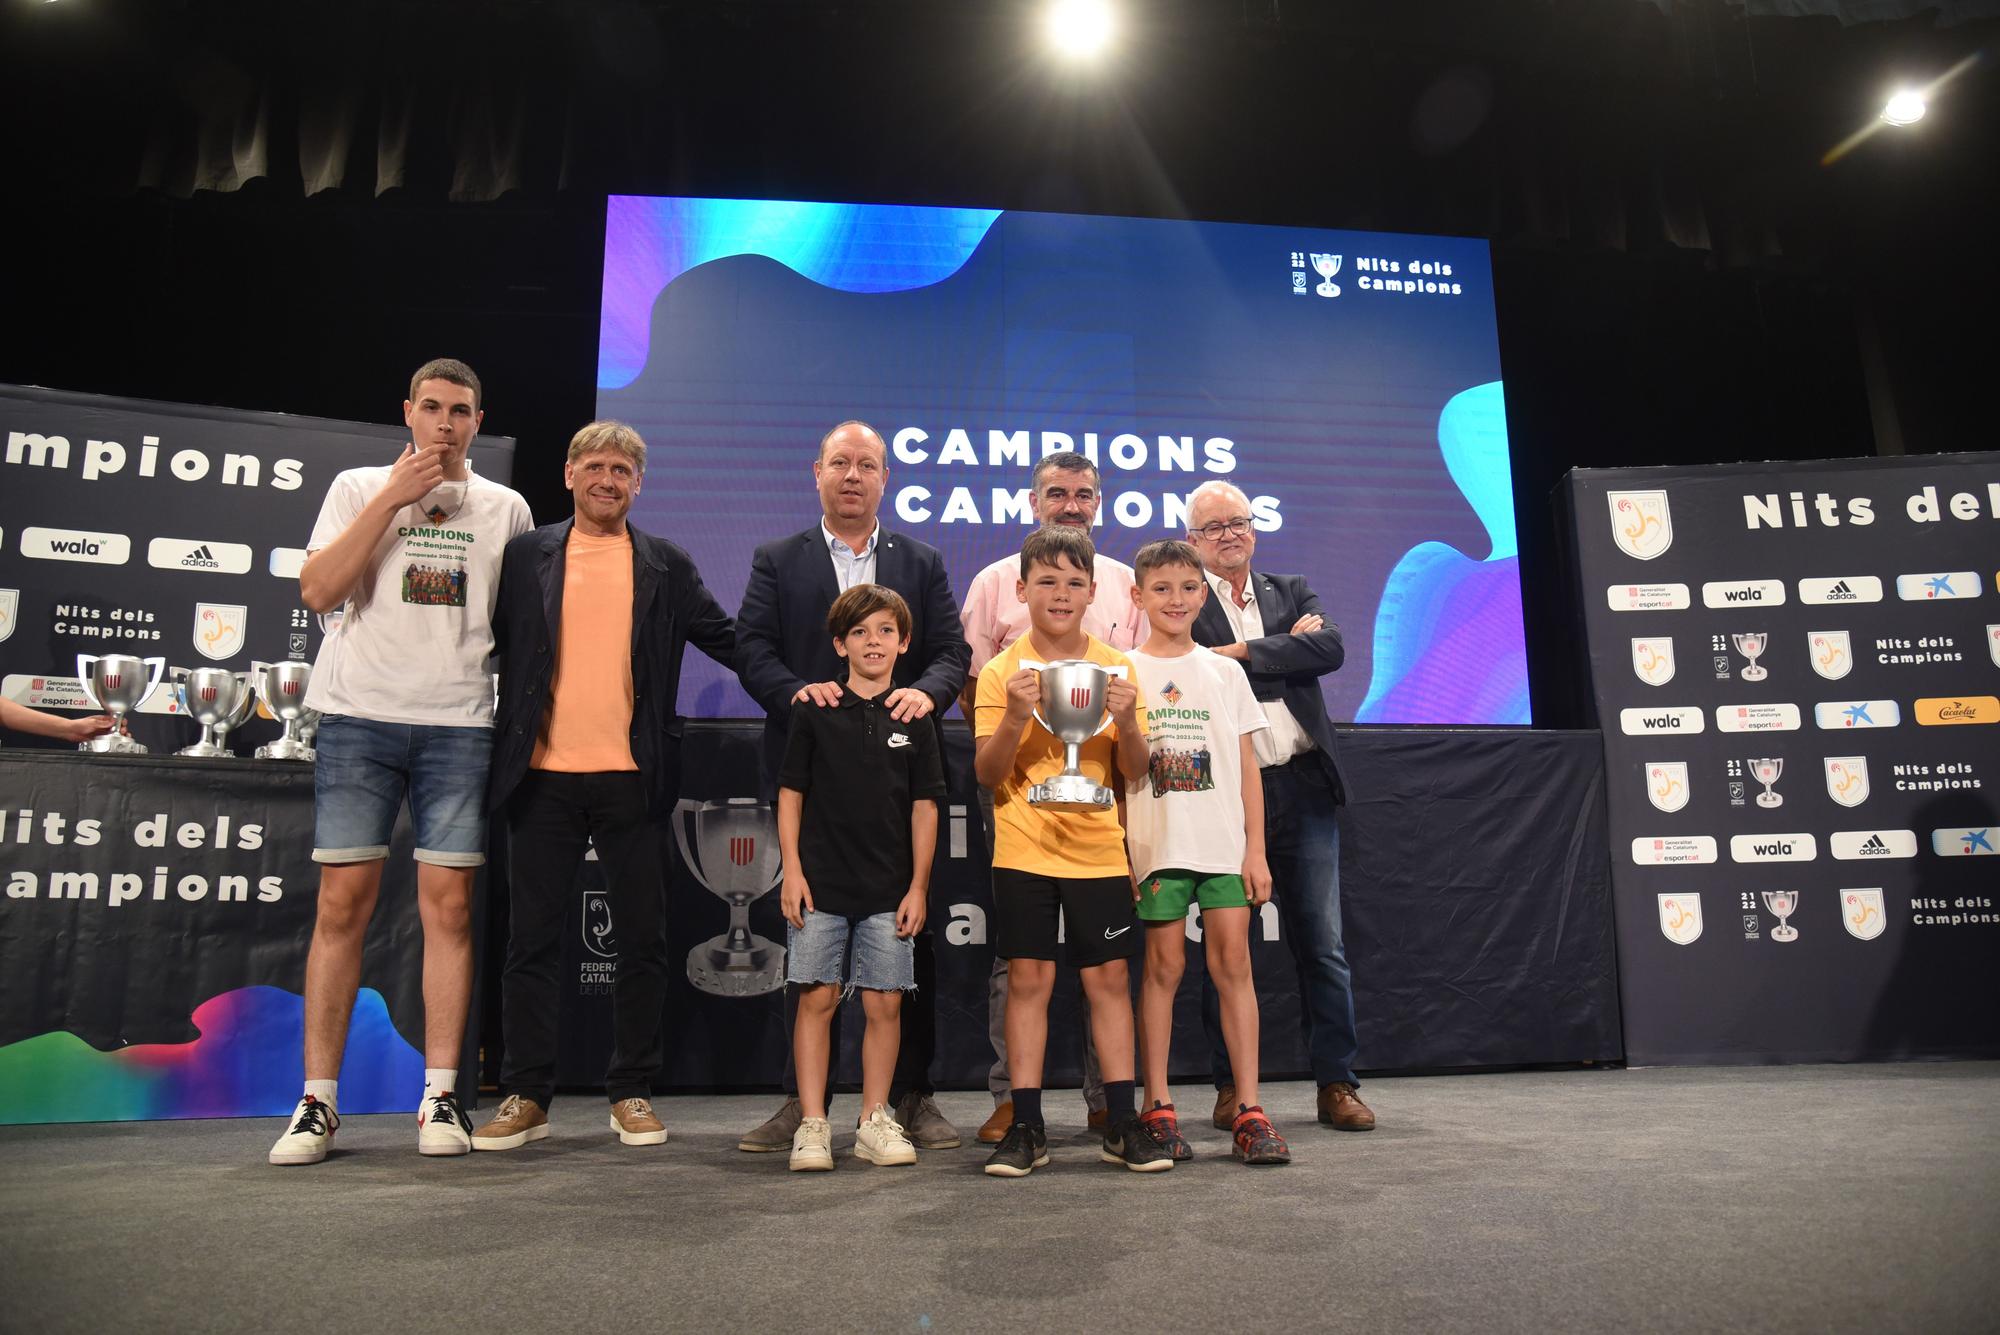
1273, 626
784, 654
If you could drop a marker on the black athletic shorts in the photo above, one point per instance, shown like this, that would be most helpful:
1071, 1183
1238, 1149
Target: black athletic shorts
1097, 923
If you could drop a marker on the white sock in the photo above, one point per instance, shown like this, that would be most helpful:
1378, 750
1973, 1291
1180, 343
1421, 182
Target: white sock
326, 1091
439, 1080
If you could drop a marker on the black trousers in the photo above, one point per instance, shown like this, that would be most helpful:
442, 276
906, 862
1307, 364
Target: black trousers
552, 820
919, 1045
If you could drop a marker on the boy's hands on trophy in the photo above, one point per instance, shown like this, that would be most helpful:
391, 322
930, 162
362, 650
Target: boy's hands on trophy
797, 897
416, 471
1257, 880
83, 729
1024, 692
1121, 697
911, 912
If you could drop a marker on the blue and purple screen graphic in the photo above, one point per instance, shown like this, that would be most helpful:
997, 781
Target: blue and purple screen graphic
1348, 382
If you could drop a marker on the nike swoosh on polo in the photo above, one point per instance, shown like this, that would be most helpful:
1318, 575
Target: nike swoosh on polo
1109, 934
897, 739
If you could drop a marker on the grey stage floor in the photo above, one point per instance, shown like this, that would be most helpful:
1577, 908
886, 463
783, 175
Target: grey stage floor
1804, 1198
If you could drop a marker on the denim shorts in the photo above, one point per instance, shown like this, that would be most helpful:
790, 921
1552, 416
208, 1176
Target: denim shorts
854, 952
364, 770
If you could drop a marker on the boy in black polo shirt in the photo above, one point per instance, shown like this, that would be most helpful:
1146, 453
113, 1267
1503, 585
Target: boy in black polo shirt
857, 824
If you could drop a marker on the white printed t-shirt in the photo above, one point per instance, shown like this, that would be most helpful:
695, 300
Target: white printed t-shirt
412, 642
1189, 816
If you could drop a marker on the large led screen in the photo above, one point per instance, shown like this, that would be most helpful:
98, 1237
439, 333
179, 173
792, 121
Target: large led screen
1348, 382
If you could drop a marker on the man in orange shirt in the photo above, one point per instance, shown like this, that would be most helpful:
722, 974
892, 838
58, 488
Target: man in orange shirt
593, 618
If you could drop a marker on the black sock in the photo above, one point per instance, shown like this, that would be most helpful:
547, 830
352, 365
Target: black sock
1028, 1106
1118, 1095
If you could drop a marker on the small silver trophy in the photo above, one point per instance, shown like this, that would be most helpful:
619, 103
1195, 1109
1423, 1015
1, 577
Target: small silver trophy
1751, 644
117, 684
282, 687
1072, 708
734, 852
1766, 772
1327, 266
1784, 903
219, 700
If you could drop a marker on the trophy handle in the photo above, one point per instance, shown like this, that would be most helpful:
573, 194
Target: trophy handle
258, 683
680, 836
83, 662
158, 668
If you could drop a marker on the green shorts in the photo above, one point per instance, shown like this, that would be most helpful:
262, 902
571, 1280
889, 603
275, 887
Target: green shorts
1165, 895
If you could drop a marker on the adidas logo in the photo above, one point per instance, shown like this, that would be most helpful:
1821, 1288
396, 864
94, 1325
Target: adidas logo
201, 558
1840, 592
1874, 844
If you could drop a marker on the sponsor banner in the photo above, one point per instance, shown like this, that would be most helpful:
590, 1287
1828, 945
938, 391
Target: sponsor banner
49, 692
1872, 634
1647, 597
75, 544
227, 558
287, 562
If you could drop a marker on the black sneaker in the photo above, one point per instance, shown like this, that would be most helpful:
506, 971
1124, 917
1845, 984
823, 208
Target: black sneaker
1127, 1141
1020, 1152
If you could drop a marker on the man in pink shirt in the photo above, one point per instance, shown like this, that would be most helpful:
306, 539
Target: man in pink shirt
1066, 494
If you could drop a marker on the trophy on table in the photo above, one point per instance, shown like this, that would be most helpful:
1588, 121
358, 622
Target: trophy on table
219, 700
1751, 644
1766, 772
1784, 903
117, 684
733, 852
1073, 709
282, 687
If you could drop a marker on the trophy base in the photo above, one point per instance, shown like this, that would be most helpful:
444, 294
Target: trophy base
113, 744
1784, 933
207, 750
1070, 792
716, 969
1754, 673
1768, 800
284, 750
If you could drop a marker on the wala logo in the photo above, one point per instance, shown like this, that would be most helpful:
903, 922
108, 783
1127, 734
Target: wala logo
1863, 914
1845, 589
1847, 779
1868, 845
1681, 850
1799, 847
1680, 918
1831, 653
1641, 523
1832, 714
1639, 722
1757, 718
1667, 784
1933, 586
1743, 593
1946, 711
1647, 597
1653, 660
73, 544
1963, 843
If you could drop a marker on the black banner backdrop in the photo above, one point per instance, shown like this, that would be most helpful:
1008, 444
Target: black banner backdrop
168, 530
1796, 668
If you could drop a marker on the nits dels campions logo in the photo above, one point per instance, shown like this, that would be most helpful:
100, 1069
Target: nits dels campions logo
1667, 784
1680, 918
1642, 524
1847, 779
1831, 653
1653, 660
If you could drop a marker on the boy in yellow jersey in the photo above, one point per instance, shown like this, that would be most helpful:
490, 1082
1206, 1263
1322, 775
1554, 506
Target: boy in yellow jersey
1061, 873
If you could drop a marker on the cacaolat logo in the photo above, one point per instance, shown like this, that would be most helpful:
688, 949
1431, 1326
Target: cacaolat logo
1946, 711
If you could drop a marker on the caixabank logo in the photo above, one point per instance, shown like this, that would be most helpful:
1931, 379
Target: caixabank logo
1934, 585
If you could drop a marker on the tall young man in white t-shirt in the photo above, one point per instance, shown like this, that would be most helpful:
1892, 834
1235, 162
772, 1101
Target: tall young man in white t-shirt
408, 555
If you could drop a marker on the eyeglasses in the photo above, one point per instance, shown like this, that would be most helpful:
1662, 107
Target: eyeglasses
1214, 531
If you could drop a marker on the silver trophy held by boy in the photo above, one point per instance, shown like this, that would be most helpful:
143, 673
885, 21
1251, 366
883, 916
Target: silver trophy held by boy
1074, 710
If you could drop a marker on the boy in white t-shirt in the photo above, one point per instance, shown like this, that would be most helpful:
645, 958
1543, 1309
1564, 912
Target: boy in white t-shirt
409, 556
1195, 825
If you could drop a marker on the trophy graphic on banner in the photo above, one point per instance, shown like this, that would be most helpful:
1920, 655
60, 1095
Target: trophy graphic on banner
1073, 709
282, 687
734, 852
117, 684
219, 700
1327, 266
1784, 903
1751, 644
1766, 772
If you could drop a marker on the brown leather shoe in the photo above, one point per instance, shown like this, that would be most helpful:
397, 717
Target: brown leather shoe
994, 1129
1342, 1109
636, 1124
519, 1121
1225, 1108
1098, 1119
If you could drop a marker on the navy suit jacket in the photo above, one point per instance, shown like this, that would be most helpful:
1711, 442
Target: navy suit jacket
671, 608
1283, 666
782, 641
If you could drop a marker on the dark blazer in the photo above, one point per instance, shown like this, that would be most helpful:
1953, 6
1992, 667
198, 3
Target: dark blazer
1284, 666
781, 639
671, 608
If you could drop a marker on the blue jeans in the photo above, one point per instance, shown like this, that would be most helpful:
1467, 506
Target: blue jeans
1302, 842
366, 768
853, 952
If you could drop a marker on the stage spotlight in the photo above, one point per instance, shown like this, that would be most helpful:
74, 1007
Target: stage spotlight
1079, 29
1905, 108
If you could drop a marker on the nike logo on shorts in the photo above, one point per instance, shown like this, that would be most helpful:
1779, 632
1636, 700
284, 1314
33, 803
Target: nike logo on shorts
1110, 935
897, 739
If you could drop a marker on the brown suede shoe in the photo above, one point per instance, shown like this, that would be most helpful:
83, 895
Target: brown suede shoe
994, 1128
776, 1134
1225, 1108
1342, 1109
518, 1122
635, 1123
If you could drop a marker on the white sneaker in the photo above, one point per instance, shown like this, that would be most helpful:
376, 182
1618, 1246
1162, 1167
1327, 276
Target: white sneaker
812, 1146
880, 1139
313, 1125
442, 1126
